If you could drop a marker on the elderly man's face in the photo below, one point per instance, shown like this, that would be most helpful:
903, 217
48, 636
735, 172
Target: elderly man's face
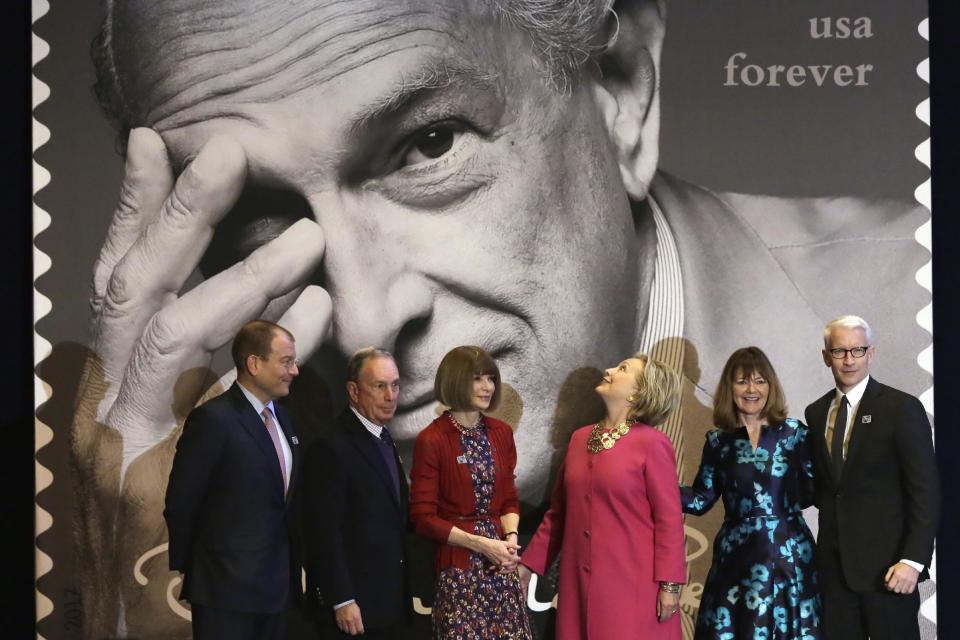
463, 200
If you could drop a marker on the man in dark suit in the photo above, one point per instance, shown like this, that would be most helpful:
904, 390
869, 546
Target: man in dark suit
877, 491
355, 510
227, 502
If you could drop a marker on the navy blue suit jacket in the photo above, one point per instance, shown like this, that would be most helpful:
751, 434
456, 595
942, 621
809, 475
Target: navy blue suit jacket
354, 526
227, 517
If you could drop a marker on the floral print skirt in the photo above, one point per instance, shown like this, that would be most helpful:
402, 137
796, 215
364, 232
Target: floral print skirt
479, 604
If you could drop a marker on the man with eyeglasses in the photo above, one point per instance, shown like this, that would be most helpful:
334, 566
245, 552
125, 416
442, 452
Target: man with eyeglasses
354, 510
877, 492
229, 495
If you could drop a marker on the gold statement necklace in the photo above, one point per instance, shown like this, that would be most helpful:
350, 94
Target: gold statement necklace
601, 438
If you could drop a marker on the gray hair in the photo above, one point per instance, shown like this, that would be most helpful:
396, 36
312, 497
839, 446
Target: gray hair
565, 33
848, 322
359, 357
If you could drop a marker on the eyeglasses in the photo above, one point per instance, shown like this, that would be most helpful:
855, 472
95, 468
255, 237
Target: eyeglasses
286, 363
856, 352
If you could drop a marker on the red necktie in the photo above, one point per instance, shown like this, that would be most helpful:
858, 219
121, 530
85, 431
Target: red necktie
275, 437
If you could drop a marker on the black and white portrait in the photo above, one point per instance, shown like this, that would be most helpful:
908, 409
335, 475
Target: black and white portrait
563, 183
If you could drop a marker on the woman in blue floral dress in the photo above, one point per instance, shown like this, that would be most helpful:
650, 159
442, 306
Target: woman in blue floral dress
762, 584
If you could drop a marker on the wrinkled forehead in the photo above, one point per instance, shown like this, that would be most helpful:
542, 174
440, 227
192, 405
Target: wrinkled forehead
174, 56
379, 368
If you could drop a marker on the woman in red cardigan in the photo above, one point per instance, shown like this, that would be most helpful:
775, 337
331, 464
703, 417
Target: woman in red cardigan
463, 496
615, 517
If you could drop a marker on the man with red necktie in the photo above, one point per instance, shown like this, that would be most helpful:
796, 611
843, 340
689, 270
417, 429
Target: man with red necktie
227, 502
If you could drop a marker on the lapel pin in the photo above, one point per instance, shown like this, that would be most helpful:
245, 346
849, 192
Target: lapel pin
866, 419
294, 440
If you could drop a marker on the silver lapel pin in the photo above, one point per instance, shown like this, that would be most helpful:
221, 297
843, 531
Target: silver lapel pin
866, 419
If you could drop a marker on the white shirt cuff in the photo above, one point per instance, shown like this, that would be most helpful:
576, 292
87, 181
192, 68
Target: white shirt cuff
911, 563
343, 604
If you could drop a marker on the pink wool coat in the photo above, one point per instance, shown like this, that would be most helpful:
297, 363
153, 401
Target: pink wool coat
616, 522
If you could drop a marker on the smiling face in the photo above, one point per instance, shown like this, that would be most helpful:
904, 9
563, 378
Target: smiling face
750, 394
463, 200
619, 383
482, 391
269, 376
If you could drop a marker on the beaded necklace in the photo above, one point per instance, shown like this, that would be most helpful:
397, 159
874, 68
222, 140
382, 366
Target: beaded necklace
460, 427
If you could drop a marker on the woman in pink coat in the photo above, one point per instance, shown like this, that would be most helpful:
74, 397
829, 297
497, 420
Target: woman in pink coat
615, 516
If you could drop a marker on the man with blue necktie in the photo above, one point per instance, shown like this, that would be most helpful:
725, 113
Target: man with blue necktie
355, 510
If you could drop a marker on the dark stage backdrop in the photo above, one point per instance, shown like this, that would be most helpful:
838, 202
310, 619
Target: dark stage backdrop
804, 123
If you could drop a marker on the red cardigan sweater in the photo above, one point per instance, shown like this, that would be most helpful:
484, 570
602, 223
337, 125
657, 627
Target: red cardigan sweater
441, 489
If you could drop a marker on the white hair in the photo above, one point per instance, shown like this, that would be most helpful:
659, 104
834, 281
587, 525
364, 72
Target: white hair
848, 322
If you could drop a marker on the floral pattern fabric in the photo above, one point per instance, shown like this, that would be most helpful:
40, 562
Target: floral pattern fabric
477, 603
762, 584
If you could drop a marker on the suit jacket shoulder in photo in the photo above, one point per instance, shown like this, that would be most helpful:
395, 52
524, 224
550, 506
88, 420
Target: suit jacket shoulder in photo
226, 512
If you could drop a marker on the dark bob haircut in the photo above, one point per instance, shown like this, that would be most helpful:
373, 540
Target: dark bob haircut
453, 385
748, 361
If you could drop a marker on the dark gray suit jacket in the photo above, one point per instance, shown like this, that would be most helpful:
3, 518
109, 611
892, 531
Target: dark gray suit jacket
354, 526
884, 507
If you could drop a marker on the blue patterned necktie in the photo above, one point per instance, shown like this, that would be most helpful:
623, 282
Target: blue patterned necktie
388, 450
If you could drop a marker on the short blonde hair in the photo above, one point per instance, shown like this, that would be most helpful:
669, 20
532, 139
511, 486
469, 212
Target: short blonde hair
657, 393
453, 385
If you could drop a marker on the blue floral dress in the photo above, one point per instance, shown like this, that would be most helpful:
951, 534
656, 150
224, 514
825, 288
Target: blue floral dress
762, 584
475, 603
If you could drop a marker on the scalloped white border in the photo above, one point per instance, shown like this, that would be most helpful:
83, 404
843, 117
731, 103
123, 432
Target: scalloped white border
924, 277
43, 434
